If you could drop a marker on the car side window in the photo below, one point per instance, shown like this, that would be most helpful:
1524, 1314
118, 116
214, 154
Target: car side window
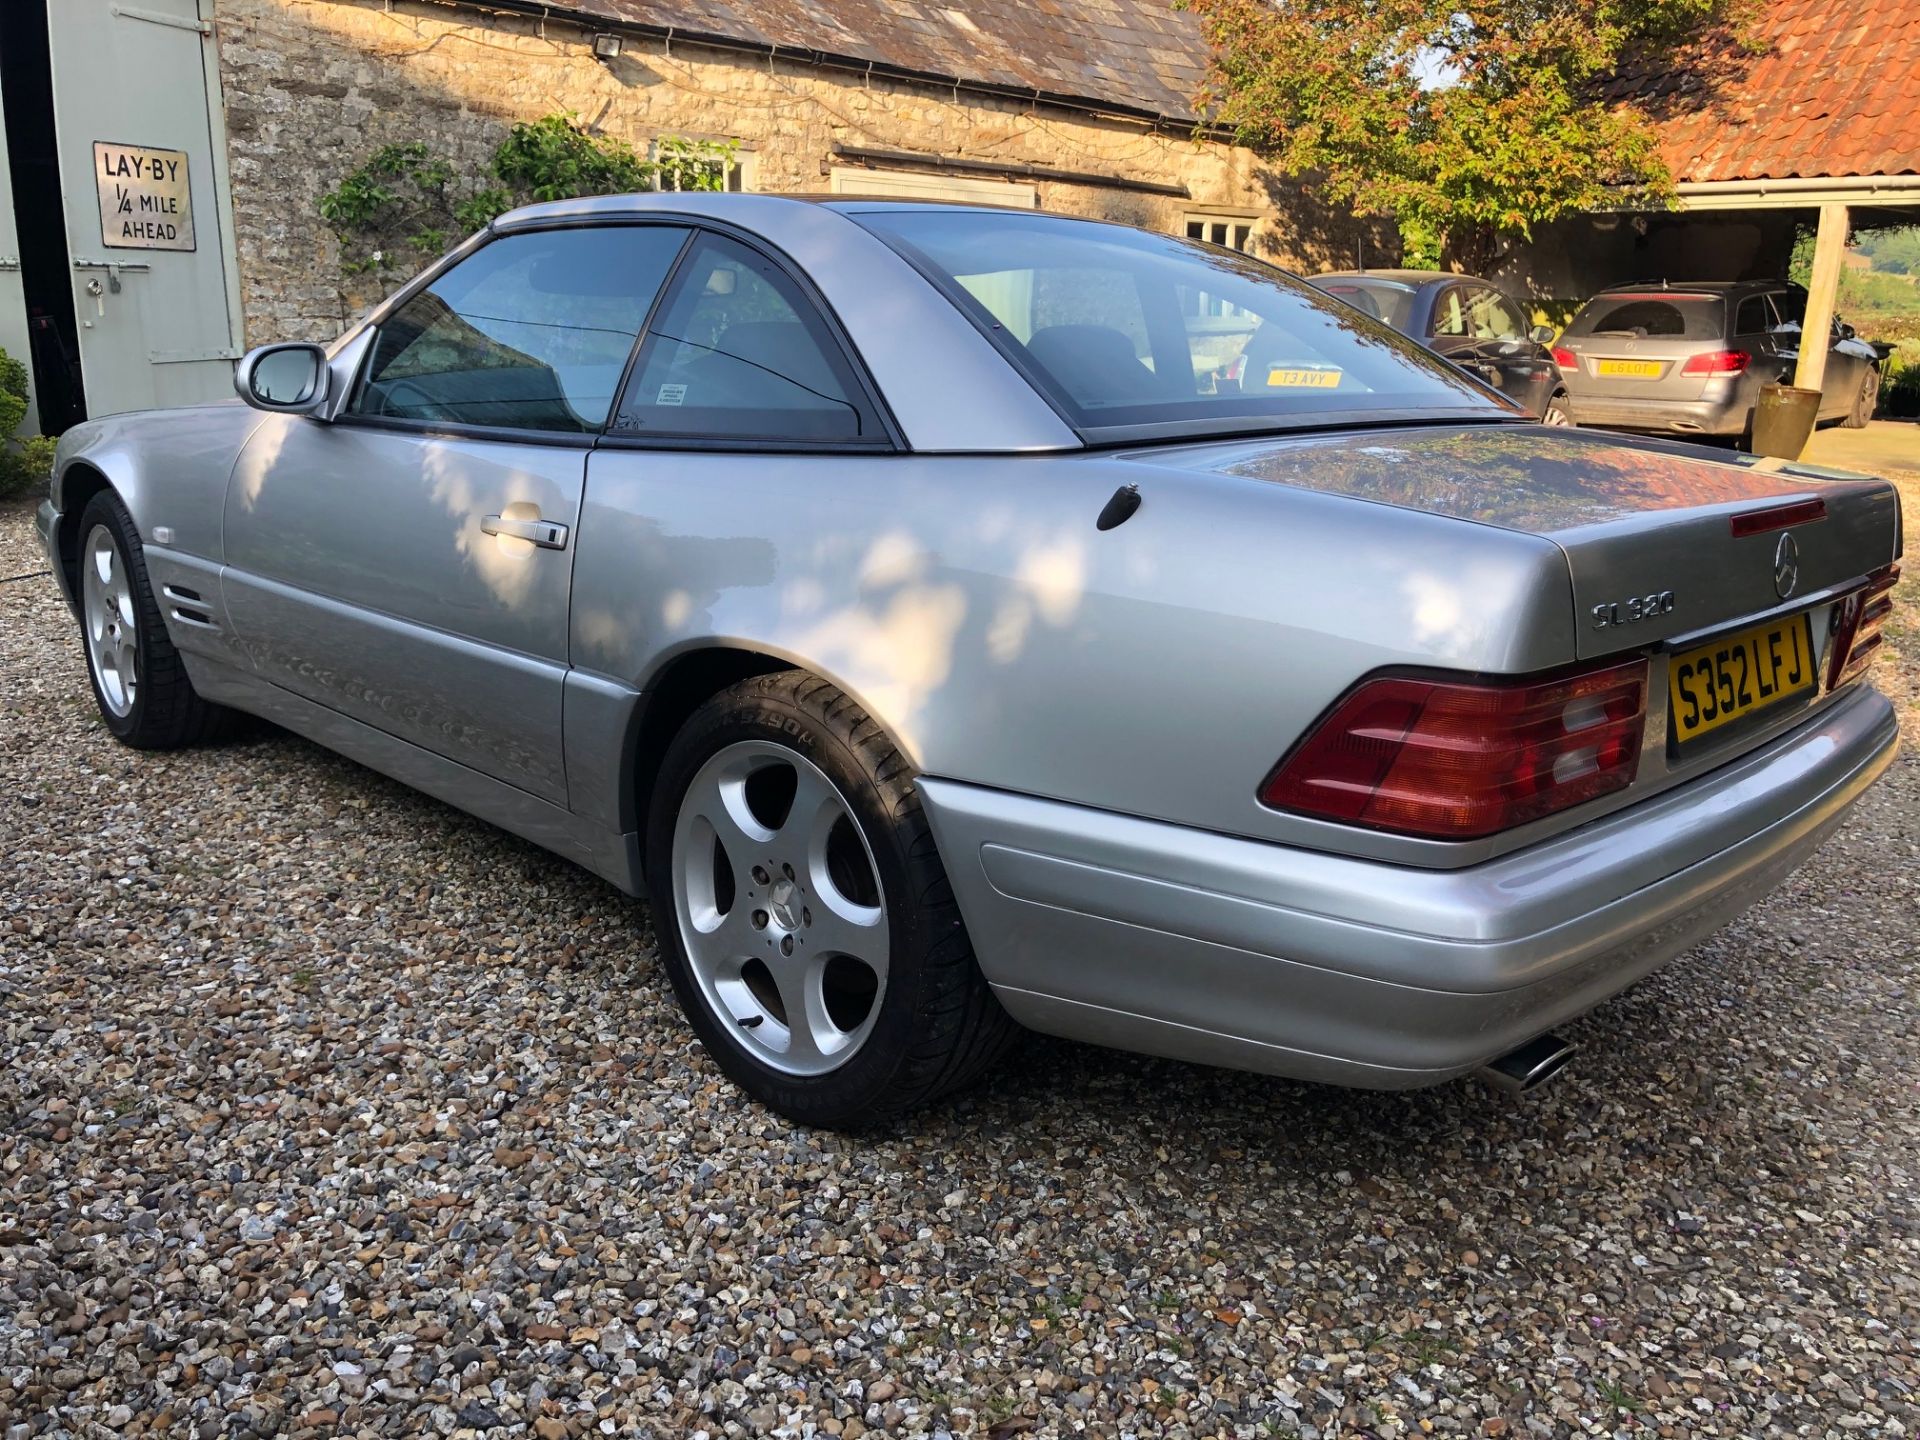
1751, 317
530, 332
1491, 317
737, 352
1450, 314
1789, 309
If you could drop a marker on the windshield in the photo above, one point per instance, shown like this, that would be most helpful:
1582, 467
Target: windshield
1665, 316
1383, 299
1130, 333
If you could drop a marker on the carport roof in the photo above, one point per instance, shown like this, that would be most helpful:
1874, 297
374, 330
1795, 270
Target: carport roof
1836, 93
1135, 56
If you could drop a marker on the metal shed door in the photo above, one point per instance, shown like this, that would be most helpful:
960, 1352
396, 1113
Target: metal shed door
13, 298
136, 99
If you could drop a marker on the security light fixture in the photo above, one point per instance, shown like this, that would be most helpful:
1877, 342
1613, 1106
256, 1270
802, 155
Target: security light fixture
606, 46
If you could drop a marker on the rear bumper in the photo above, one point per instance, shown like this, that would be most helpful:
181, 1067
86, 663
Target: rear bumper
1726, 415
1204, 947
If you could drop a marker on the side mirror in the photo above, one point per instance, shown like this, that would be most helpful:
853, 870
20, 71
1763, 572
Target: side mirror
1541, 334
283, 379
1847, 332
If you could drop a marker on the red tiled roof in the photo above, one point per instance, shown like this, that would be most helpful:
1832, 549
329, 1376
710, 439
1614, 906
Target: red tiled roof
1136, 55
1837, 92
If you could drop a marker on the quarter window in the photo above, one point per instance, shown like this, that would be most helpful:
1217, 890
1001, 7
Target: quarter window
532, 332
1751, 318
1450, 314
738, 353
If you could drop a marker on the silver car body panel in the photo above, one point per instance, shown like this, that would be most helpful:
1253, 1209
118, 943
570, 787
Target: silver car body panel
1136, 682
1340, 969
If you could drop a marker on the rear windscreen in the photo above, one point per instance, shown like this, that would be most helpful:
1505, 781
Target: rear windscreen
1381, 299
1657, 317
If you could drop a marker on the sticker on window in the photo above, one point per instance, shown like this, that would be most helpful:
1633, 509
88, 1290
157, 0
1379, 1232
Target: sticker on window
672, 395
1303, 377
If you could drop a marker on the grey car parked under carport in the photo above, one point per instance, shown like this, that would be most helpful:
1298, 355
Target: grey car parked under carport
909, 600
1690, 359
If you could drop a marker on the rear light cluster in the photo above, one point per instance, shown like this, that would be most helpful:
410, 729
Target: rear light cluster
1857, 623
1455, 760
1718, 362
1565, 358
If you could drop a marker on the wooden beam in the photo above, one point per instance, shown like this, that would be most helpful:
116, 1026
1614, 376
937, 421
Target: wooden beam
1823, 288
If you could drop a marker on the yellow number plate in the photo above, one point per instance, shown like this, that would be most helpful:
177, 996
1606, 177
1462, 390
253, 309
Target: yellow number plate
1628, 369
1294, 377
1738, 676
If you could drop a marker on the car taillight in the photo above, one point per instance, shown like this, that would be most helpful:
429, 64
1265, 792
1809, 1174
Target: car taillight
1455, 759
1857, 624
1565, 358
1718, 362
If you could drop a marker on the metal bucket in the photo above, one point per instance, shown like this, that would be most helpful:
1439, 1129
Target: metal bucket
1783, 420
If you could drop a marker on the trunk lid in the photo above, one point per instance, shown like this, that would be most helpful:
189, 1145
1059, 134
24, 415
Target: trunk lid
1635, 518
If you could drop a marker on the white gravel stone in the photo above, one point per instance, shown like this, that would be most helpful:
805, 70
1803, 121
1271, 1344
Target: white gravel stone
269, 1024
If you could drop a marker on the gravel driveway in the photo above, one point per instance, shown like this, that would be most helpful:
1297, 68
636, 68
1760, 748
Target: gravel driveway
327, 1110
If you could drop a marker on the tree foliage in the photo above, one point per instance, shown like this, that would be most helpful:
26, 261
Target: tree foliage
1464, 120
406, 204
25, 460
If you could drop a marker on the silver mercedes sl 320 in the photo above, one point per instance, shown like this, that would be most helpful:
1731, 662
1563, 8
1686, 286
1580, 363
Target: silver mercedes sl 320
935, 613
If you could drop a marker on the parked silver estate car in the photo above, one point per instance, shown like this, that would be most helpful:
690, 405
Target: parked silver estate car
901, 596
1690, 359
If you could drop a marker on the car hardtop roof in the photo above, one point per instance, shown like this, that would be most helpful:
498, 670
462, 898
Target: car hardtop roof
724, 205
1406, 279
1692, 287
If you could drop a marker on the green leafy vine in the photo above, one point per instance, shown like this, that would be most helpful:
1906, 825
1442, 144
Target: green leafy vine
406, 204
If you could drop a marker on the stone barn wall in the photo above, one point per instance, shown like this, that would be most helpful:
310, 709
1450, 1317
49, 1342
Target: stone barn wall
312, 87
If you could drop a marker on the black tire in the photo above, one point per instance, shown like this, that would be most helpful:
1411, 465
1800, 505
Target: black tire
937, 1026
1864, 402
1558, 412
166, 713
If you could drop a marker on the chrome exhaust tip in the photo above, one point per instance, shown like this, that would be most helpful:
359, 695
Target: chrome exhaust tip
1530, 1066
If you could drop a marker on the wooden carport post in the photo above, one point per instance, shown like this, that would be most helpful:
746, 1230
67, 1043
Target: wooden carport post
1823, 288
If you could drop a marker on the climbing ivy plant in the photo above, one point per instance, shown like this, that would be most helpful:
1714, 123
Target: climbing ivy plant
406, 204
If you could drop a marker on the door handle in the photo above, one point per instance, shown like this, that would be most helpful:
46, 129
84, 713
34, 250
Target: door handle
547, 534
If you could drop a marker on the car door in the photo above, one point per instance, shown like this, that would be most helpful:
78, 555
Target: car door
1504, 350
1840, 380
408, 564
1447, 332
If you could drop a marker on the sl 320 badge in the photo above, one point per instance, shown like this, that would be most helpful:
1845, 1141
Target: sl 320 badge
1611, 614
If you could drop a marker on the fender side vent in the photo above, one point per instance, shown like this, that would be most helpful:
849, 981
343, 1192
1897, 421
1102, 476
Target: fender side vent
187, 607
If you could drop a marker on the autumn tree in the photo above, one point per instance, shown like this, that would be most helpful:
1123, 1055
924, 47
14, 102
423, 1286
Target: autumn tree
1464, 120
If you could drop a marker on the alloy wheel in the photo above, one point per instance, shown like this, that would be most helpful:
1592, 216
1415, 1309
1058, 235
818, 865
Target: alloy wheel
780, 907
108, 611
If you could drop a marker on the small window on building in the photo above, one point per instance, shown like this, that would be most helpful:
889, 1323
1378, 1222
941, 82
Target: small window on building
683, 161
1224, 230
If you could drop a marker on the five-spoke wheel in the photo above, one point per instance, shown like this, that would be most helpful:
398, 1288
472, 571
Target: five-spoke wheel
112, 622
805, 920
780, 906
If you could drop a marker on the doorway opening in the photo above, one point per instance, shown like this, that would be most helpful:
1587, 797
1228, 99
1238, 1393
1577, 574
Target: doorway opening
46, 270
